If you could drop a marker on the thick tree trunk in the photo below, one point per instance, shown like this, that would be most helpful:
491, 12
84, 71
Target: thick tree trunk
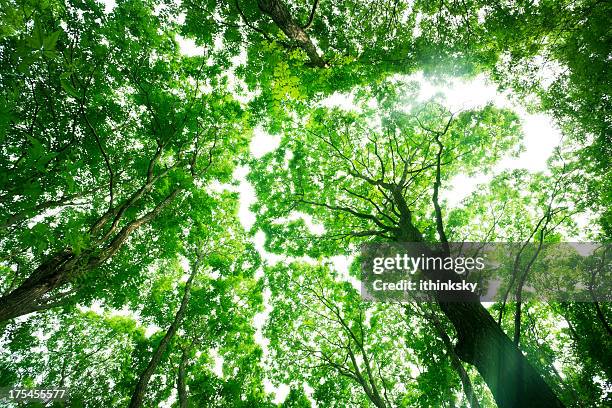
32, 294
481, 342
145, 377
29, 296
279, 13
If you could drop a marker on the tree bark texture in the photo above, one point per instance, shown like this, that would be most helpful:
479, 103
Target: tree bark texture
279, 13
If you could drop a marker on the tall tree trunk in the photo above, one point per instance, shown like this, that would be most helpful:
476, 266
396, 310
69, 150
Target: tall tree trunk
517, 322
481, 342
145, 377
279, 13
29, 296
602, 318
181, 383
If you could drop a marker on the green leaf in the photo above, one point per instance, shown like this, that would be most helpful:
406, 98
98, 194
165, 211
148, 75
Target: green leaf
50, 41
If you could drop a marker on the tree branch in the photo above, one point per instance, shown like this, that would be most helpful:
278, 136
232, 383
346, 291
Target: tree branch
311, 17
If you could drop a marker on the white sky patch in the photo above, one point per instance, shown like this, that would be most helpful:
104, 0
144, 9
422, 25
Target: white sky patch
95, 307
280, 392
340, 100
109, 5
263, 142
540, 137
547, 70
259, 320
416, 31
171, 399
309, 391
540, 134
341, 265
247, 197
180, 19
188, 47
151, 330
460, 95
125, 312
217, 369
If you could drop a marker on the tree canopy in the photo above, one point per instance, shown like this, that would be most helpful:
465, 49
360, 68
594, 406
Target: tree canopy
131, 276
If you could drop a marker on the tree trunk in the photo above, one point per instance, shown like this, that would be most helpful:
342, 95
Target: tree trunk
65, 266
517, 323
602, 318
181, 383
28, 297
277, 10
481, 342
145, 377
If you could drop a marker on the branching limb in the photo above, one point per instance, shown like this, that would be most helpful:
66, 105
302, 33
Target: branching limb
312, 14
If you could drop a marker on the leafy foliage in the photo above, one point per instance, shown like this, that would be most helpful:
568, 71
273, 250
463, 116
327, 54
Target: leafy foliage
127, 275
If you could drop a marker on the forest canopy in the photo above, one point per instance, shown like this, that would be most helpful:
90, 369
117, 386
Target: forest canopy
185, 187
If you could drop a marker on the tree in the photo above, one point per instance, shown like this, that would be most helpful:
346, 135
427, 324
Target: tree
556, 58
455, 362
118, 201
210, 250
79, 350
128, 141
222, 299
340, 345
385, 190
